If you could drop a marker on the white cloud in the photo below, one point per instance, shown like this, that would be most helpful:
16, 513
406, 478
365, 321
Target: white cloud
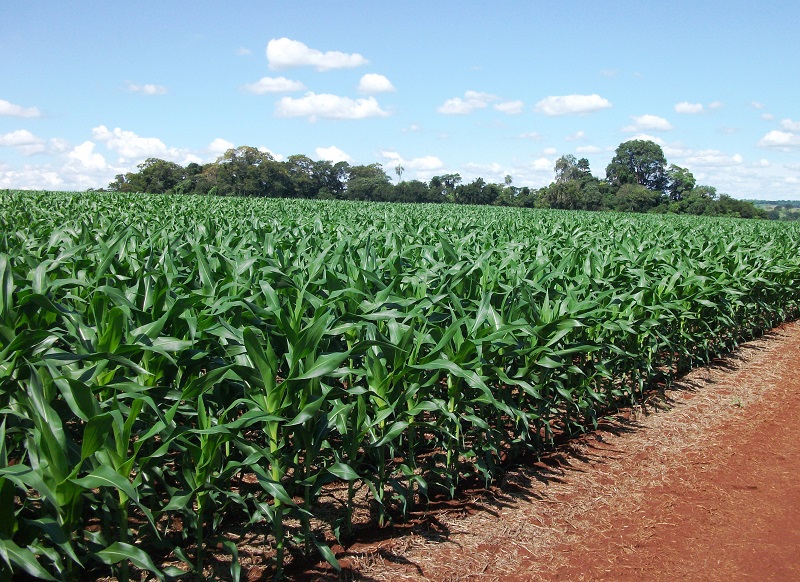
148, 89
783, 140
243, 52
284, 53
129, 145
757, 105
790, 125
542, 164
767, 116
273, 85
572, 104
421, 164
86, 158
689, 108
19, 137
12, 110
648, 137
549, 151
588, 150
764, 163
326, 106
510, 107
219, 146
648, 123
577, 136
531, 135
716, 105
372, 83
333, 154
472, 100
134, 149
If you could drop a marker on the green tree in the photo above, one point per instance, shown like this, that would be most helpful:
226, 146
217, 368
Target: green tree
679, 181
569, 168
368, 183
636, 198
239, 172
155, 176
638, 162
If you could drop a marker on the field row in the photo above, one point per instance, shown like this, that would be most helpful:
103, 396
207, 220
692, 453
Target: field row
157, 354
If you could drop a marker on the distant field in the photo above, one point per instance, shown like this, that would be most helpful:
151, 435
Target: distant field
173, 367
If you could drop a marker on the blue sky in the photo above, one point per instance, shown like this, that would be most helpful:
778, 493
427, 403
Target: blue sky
89, 90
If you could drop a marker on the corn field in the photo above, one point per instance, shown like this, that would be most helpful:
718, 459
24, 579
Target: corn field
158, 353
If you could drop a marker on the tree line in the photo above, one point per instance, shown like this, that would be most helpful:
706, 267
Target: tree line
638, 179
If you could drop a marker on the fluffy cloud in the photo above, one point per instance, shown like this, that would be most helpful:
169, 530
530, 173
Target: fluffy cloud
243, 52
648, 123
20, 137
148, 89
472, 100
577, 136
782, 140
219, 146
12, 110
284, 53
85, 157
372, 83
588, 150
422, 164
572, 104
333, 154
134, 149
689, 108
696, 108
315, 106
273, 85
510, 107
549, 151
129, 145
790, 125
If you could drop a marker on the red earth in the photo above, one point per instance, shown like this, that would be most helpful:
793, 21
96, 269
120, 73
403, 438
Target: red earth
700, 484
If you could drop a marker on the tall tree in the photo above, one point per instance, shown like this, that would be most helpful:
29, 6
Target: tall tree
679, 181
638, 162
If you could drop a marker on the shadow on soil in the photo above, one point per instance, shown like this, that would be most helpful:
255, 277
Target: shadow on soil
523, 480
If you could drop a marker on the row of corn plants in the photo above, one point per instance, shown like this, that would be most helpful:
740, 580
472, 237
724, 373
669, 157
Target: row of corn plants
214, 362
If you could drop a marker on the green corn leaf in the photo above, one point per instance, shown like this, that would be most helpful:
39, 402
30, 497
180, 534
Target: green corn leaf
119, 551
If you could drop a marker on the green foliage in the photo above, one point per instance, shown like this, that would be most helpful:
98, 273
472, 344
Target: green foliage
156, 352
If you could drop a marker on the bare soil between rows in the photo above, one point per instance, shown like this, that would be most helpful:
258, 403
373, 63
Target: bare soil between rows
700, 484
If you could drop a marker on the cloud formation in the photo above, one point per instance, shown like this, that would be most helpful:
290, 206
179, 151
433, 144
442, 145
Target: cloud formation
326, 106
147, 89
19, 137
781, 140
689, 108
372, 83
10, 109
472, 100
273, 85
510, 107
424, 167
648, 123
572, 104
333, 154
284, 53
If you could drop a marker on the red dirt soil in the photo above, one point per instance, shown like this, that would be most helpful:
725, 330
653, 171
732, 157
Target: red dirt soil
705, 487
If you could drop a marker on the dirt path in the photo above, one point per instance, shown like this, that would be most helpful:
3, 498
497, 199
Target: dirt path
706, 488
